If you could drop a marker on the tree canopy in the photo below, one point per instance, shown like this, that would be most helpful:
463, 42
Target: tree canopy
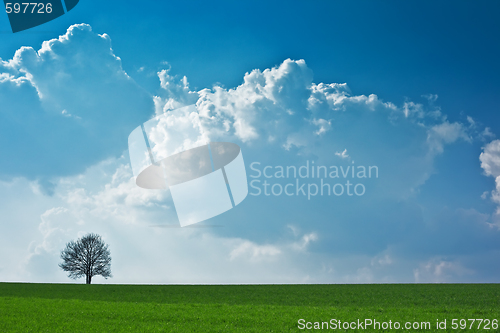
88, 256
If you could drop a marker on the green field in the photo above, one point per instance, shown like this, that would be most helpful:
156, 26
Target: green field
239, 308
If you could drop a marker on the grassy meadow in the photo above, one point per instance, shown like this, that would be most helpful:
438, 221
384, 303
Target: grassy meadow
28, 307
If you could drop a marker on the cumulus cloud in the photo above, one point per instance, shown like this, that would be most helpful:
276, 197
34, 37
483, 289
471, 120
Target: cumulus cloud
175, 93
79, 72
66, 106
438, 270
138, 226
76, 87
255, 252
445, 133
281, 105
490, 162
174, 132
133, 222
268, 102
490, 159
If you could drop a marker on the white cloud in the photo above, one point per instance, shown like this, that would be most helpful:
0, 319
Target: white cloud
328, 96
79, 58
438, 270
176, 131
133, 220
175, 94
486, 134
411, 109
471, 121
445, 133
278, 107
431, 97
342, 154
490, 158
72, 100
490, 162
304, 241
109, 204
382, 260
323, 124
255, 252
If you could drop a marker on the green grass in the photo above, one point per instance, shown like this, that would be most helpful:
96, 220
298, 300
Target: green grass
237, 308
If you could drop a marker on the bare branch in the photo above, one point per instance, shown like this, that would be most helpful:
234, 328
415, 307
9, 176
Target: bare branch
88, 256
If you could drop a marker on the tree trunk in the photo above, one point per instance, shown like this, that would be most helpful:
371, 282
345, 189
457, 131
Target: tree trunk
88, 279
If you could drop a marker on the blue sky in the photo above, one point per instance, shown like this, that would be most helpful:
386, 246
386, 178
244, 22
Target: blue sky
420, 101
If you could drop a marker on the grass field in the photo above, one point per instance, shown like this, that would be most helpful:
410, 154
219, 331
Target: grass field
239, 308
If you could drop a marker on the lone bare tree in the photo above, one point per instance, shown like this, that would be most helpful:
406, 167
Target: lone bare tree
87, 256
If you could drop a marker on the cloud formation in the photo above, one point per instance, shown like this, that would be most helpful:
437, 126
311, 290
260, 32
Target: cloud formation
490, 162
71, 106
66, 106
